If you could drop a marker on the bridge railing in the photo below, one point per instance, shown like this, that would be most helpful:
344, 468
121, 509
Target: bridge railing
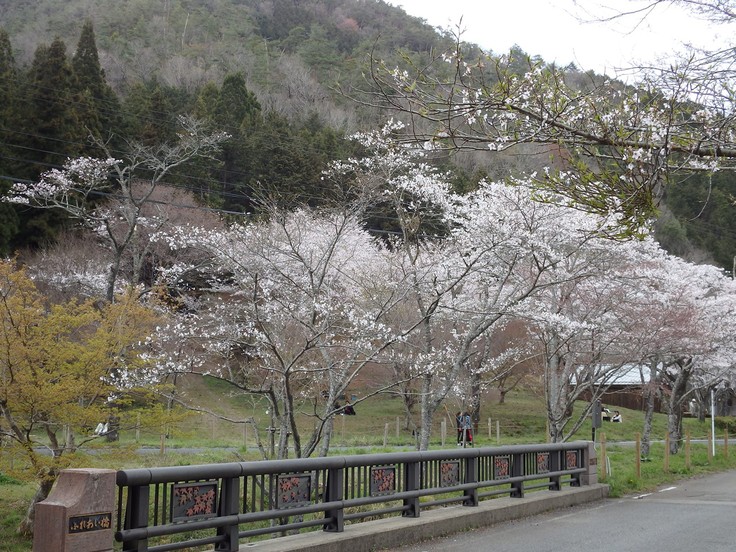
173, 508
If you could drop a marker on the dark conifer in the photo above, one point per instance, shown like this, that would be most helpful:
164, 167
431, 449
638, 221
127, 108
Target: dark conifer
99, 107
52, 131
53, 119
8, 164
236, 112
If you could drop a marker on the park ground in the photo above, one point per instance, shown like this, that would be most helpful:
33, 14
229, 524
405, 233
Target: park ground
379, 426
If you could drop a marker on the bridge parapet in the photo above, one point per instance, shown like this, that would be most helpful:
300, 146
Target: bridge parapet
218, 505
222, 504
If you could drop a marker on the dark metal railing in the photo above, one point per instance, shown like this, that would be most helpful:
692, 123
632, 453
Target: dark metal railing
172, 508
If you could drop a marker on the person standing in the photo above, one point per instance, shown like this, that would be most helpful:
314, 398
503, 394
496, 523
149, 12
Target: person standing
464, 429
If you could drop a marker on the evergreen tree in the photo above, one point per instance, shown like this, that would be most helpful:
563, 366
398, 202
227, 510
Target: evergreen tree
278, 166
237, 107
703, 203
52, 120
205, 173
150, 109
52, 132
206, 102
8, 88
99, 106
236, 112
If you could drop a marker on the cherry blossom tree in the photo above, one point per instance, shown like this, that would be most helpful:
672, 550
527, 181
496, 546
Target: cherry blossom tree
113, 197
703, 358
617, 144
299, 315
499, 248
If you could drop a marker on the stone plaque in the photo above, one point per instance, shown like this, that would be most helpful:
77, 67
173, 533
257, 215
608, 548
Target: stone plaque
90, 522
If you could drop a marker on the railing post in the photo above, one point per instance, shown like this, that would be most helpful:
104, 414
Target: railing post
471, 476
333, 493
412, 482
554, 465
229, 505
517, 470
136, 516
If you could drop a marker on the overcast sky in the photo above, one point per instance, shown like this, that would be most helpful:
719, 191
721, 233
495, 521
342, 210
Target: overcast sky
565, 31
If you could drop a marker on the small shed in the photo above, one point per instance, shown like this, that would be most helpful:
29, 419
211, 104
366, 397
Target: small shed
625, 389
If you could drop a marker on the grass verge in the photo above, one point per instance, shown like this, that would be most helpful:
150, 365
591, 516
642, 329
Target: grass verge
519, 420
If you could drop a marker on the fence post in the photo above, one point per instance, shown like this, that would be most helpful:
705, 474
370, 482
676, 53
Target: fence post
604, 467
229, 505
554, 465
412, 482
725, 443
333, 493
637, 460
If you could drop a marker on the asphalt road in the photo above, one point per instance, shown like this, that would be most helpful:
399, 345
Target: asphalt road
696, 514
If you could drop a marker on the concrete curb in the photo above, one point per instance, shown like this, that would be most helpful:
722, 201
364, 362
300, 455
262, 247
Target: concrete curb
395, 532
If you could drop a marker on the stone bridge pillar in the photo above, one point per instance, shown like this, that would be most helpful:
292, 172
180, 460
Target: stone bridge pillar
590, 477
78, 515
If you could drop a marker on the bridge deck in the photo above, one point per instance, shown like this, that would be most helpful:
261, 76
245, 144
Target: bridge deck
396, 532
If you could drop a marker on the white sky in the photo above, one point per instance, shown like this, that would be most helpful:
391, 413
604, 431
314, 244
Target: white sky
565, 31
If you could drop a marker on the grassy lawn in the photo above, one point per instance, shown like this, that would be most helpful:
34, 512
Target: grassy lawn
521, 419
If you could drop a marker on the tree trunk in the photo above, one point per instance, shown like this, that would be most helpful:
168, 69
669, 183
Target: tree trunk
474, 402
556, 392
326, 436
674, 428
649, 395
427, 413
409, 400
674, 414
44, 489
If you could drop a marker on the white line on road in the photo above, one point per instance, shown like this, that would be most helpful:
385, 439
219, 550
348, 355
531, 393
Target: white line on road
650, 494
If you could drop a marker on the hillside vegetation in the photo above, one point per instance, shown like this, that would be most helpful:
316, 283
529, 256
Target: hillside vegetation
160, 59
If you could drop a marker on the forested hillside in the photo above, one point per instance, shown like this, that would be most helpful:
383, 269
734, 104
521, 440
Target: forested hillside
262, 71
266, 72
